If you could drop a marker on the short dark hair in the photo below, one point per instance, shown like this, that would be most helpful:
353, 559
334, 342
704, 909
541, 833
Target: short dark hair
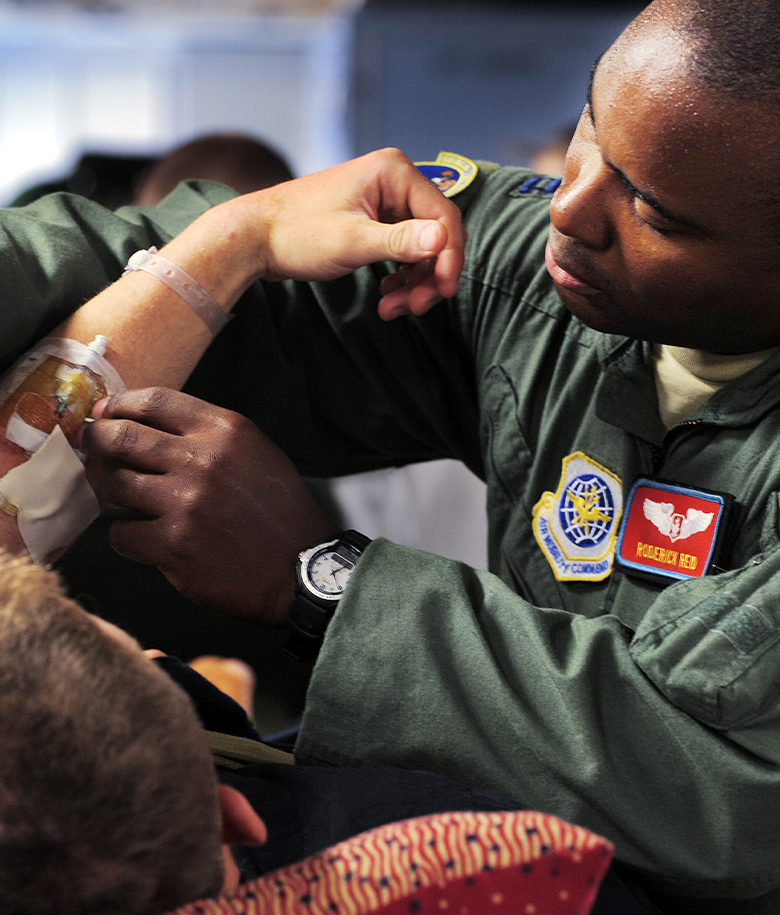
108, 794
736, 45
734, 50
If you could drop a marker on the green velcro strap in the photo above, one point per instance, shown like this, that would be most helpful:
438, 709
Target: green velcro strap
232, 752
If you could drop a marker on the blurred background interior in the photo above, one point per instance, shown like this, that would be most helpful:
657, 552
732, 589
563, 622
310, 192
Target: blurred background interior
92, 93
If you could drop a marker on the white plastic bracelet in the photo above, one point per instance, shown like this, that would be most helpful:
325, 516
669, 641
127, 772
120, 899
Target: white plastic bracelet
183, 285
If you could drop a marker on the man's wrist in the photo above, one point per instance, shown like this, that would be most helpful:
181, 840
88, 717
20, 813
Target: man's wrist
185, 286
322, 574
224, 249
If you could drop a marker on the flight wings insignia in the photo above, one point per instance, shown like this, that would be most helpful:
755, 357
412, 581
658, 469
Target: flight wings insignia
675, 525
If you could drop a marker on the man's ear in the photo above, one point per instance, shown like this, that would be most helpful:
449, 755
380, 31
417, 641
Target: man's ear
240, 823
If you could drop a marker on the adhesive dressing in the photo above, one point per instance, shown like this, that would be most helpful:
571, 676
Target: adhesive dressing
45, 399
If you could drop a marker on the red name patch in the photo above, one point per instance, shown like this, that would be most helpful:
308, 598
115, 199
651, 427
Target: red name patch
671, 531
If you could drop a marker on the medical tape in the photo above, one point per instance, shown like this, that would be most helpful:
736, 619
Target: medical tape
50, 496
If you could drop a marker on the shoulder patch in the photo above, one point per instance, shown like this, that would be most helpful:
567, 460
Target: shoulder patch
576, 526
450, 172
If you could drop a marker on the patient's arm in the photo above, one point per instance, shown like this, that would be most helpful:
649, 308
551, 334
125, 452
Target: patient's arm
320, 227
378, 207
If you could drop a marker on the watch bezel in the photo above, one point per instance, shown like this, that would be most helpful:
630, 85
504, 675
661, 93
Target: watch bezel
349, 546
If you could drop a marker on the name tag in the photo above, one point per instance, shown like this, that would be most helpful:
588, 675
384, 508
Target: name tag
671, 532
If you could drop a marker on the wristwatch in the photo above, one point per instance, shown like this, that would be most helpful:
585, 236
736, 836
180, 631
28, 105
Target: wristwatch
321, 576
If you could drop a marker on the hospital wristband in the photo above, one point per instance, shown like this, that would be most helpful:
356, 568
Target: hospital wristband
182, 284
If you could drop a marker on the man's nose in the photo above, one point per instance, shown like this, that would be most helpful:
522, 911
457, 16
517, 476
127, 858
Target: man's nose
581, 205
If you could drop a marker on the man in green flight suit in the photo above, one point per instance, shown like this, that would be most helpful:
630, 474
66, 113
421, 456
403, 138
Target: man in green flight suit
609, 365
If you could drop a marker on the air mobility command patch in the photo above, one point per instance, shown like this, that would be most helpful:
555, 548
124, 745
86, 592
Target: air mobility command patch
671, 532
450, 173
576, 526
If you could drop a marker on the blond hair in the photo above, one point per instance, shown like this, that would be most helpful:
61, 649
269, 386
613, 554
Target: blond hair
108, 797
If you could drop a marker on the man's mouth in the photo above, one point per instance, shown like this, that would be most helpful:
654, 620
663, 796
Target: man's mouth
564, 279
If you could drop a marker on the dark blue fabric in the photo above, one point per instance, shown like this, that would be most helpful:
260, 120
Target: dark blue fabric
217, 711
307, 809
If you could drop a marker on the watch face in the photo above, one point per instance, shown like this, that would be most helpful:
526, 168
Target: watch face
328, 572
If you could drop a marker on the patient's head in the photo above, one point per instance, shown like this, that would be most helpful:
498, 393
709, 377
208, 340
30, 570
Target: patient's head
241, 162
108, 796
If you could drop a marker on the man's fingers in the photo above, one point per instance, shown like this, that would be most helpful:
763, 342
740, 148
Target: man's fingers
422, 281
136, 540
413, 289
362, 240
414, 239
449, 263
126, 488
127, 442
162, 408
375, 208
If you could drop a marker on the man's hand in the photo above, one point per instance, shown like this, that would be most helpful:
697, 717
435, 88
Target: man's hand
227, 511
378, 207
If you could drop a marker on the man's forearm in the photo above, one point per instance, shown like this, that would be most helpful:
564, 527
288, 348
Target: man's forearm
320, 227
155, 337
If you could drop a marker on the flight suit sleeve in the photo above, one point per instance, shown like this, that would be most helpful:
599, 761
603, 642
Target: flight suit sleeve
712, 647
665, 742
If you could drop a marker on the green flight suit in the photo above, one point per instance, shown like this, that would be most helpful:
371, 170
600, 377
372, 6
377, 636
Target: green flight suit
646, 712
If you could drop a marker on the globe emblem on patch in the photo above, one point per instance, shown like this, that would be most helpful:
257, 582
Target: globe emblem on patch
587, 510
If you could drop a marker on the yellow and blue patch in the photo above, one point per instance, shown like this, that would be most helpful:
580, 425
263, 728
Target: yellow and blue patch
450, 172
576, 526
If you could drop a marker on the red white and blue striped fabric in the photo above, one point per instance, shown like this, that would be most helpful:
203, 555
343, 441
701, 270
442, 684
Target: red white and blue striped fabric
520, 862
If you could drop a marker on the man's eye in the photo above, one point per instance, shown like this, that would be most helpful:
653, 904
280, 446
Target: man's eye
657, 221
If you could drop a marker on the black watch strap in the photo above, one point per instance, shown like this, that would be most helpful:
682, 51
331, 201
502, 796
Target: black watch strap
309, 617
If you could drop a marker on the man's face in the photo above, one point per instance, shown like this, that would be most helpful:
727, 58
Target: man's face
659, 230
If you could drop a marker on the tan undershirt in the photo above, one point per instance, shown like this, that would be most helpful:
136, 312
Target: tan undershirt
687, 378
